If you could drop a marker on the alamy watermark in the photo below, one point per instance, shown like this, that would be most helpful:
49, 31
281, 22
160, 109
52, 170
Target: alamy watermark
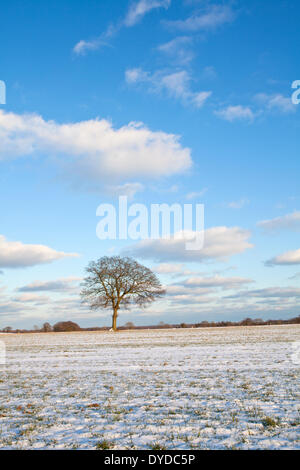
2, 92
161, 221
296, 94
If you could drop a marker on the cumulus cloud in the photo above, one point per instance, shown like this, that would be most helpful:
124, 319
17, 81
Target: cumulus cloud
210, 18
19, 255
177, 85
220, 243
93, 150
236, 113
289, 222
287, 258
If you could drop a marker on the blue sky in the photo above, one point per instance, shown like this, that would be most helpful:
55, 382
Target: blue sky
208, 86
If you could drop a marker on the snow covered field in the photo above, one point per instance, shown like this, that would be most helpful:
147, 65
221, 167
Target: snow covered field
214, 388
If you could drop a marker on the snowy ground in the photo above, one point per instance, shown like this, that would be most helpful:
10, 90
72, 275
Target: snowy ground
215, 388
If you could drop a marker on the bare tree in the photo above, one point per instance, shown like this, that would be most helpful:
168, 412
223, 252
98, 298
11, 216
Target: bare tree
47, 327
115, 282
7, 329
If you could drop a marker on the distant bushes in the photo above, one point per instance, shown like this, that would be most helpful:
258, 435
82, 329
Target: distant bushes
66, 326
71, 326
47, 328
129, 325
246, 322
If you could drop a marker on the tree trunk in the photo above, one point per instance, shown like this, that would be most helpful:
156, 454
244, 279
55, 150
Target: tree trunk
114, 319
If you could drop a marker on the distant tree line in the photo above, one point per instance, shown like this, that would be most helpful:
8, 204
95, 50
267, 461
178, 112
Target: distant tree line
66, 326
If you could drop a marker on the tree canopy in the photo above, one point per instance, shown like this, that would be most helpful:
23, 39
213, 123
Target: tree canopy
115, 282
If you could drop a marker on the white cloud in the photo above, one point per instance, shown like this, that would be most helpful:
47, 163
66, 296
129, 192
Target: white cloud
287, 258
12, 309
136, 12
168, 268
171, 47
217, 281
194, 290
237, 204
195, 194
209, 72
177, 85
219, 244
93, 150
32, 298
178, 49
84, 46
233, 113
269, 292
136, 75
20, 255
180, 289
191, 298
139, 9
289, 222
210, 19
267, 103
58, 285
126, 189
276, 102
200, 98
295, 276
179, 294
